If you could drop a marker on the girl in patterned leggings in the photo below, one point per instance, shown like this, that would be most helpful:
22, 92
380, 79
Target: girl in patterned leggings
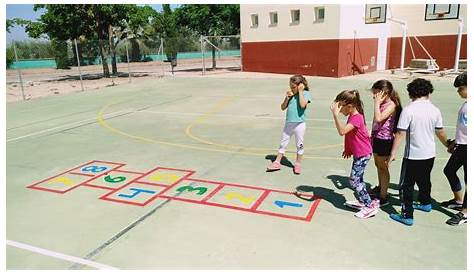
357, 144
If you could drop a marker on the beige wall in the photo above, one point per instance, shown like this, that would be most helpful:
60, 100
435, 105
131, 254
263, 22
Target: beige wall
284, 31
414, 15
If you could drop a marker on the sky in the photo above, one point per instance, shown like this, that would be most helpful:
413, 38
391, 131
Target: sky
25, 11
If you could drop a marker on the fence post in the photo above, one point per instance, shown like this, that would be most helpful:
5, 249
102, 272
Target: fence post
78, 64
202, 52
128, 62
19, 71
162, 56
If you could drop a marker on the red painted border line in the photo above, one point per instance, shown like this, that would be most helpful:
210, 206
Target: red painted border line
126, 171
155, 184
212, 193
260, 200
313, 209
82, 174
96, 186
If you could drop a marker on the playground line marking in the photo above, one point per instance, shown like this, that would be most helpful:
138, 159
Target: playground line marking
58, 255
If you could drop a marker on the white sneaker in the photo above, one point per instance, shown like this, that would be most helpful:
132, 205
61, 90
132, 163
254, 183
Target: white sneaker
354, 204
367, 212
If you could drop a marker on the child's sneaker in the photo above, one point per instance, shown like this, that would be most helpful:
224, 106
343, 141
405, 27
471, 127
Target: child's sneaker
274, 166
367, 211
457, 219
374, 192
383, 202
425, 208
297, 169
354, 204
452, 204
399, 218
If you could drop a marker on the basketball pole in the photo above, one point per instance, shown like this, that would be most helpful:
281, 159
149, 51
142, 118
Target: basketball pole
404, 38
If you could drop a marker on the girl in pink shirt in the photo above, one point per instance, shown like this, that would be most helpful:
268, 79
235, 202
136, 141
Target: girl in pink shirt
387, 109
357, 144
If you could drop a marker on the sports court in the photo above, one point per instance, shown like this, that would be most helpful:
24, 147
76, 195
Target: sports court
169, 173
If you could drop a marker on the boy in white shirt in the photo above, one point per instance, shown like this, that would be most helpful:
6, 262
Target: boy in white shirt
419, 121
458, 158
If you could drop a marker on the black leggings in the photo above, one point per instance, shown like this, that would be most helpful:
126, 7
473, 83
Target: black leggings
458, 158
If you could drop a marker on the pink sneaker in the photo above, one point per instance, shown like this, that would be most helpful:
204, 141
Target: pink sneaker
297, 168
354, 204
367, 212
274, 166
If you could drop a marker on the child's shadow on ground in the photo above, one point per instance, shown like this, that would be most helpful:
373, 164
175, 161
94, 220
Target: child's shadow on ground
341, 182
336, 199
284, 160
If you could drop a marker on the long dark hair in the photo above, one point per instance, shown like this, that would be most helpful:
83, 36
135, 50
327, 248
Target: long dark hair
387, 87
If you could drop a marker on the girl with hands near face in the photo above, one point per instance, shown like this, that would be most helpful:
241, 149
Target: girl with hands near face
356, 144
295, 103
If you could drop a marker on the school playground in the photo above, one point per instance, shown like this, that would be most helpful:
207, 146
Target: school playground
170, 173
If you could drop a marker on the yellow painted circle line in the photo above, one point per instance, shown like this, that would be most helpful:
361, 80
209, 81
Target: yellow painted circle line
102, 122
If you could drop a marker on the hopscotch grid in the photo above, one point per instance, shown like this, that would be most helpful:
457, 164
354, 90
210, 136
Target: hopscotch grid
187, 177
78, 185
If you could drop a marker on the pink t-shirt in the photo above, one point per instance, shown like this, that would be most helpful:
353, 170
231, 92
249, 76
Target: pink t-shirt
384, 130
357, 141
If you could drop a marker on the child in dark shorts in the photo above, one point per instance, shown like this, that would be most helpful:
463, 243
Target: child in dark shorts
387, 109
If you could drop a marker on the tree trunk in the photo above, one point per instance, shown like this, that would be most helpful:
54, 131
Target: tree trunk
135, 56
213, 58
112, 51
100, 33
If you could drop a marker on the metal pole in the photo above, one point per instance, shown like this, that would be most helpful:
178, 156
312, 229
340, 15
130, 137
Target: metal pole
19, 71
202, 52
240, 49
162, 57
402, 58
78, 64
128, 62
458, 45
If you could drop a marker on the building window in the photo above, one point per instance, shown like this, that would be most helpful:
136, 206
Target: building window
441, 11
319, 14
254, 19
375, 14
273, 18
295, 17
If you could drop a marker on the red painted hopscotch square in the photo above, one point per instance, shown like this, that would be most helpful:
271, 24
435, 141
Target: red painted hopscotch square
287, 205
114, 179
96, 168
164, 176
60, 183
237, 197
192, 190
135, 194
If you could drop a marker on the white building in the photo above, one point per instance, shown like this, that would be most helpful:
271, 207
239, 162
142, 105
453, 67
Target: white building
340, 40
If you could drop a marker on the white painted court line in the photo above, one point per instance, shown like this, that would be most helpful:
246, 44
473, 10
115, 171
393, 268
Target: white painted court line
257, 116
60, 255
62, 126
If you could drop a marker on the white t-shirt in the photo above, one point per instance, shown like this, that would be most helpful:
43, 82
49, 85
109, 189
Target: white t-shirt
419, 119
461, 126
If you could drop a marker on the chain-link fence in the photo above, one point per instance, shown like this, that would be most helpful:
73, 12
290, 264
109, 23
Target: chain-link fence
41, 68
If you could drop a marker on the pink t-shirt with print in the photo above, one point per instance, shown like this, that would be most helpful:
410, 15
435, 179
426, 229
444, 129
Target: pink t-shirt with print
357, 141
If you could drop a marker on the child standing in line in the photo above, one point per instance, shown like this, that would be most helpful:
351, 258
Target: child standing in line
356, 144
295, 102
387, 109
458, 158
419, 121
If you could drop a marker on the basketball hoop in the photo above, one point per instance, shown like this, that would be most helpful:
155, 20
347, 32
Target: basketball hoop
440, 14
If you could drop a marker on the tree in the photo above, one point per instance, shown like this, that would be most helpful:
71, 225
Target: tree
210, 20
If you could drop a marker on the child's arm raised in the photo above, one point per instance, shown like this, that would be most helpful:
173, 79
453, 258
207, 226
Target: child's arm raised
341, 129
302, 101
381, 116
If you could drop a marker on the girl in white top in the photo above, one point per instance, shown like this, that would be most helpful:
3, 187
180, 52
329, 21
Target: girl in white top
458, 158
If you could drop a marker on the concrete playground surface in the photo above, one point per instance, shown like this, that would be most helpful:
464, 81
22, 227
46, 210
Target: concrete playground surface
169, 173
